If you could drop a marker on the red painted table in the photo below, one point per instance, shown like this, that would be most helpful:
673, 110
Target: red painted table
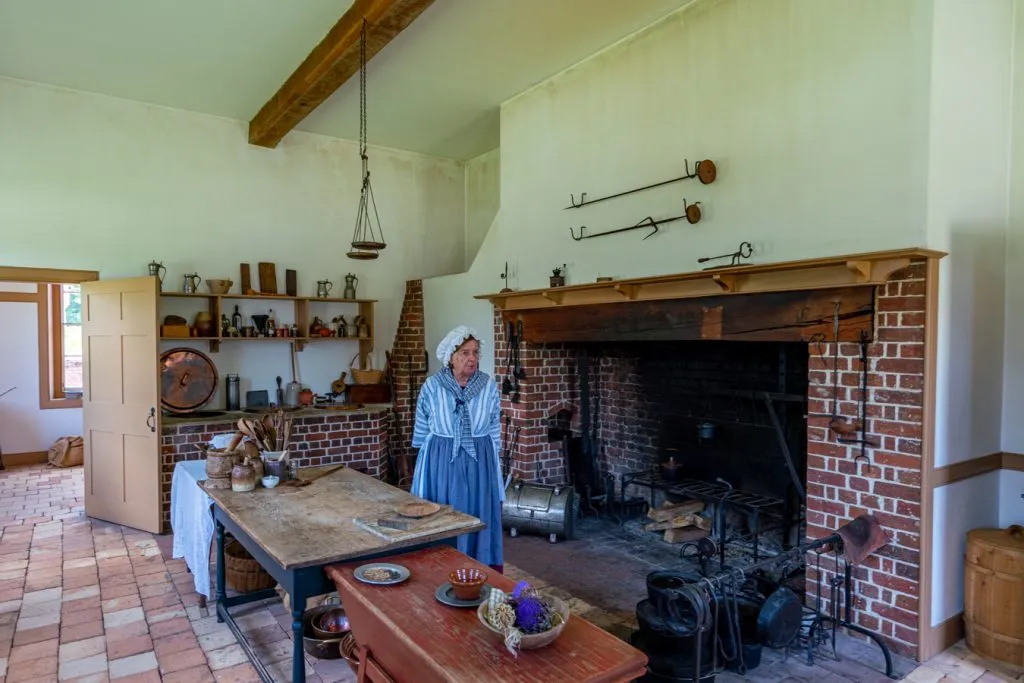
416, 639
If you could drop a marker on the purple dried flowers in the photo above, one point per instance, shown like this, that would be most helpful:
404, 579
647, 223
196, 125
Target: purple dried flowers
533, 614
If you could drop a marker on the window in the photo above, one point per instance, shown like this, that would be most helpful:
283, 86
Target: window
60, 346
68, 353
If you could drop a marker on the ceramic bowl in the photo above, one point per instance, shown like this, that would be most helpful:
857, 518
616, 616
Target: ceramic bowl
270, 481
219, 286
467, 582
332, 623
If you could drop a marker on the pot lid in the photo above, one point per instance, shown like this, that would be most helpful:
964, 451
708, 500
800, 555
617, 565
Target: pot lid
188, 379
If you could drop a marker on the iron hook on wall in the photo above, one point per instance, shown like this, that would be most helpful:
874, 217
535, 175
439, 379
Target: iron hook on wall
691, 212
704, 170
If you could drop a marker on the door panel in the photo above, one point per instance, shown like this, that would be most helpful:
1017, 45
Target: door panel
119, 364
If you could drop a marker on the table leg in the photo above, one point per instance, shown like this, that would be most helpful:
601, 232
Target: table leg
221, 591
298, 600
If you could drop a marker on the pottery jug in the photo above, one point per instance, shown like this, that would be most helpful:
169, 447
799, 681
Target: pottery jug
243, 476
257, 467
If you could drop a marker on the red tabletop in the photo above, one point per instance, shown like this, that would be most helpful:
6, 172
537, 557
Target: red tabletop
416, 639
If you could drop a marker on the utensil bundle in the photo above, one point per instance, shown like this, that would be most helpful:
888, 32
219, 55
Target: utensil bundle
271, 433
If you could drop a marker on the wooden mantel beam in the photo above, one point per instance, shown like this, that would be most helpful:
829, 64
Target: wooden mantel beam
834, 272
331, 63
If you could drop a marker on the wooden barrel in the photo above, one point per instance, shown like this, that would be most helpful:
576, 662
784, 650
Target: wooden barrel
994, 594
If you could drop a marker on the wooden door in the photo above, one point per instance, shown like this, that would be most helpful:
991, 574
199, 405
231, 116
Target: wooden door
120, 402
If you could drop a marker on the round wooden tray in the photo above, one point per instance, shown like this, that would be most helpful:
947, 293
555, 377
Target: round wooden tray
418, 509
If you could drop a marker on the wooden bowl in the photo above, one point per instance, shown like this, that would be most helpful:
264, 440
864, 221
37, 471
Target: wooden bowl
467, 582
532, 641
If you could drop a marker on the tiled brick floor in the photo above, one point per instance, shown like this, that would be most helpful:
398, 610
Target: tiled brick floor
87, 601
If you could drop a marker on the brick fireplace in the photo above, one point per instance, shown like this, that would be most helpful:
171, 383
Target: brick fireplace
756, 329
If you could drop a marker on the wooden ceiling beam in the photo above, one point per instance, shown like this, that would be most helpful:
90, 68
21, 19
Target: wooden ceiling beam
331, 64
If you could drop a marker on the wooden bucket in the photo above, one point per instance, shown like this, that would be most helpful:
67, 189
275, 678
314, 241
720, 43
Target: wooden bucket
994, 594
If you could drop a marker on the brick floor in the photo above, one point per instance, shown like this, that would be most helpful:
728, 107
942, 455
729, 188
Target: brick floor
86, 601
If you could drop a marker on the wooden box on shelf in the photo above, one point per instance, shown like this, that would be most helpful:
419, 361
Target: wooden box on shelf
174, 331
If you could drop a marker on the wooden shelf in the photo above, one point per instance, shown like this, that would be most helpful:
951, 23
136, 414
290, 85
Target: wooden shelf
267, 297
823, 273
300, 342
302, 313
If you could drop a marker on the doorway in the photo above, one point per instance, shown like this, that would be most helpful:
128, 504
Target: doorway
47, 398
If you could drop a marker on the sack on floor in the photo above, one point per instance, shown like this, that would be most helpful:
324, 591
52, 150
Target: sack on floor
67, 451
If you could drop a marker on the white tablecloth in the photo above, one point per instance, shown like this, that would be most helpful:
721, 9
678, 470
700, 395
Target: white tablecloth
192, 522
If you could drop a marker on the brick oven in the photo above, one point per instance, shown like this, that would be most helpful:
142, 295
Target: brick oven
633, 369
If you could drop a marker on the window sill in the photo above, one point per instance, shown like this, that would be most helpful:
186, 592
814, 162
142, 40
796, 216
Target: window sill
59, 403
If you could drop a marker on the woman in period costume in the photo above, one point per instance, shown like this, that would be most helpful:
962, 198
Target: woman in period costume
458, 434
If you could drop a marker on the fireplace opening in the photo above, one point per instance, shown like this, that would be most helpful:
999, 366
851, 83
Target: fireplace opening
706, 439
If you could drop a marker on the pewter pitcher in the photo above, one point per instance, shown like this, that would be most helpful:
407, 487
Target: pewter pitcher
191, 283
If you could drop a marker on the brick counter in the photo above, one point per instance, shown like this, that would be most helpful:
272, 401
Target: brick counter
358, 439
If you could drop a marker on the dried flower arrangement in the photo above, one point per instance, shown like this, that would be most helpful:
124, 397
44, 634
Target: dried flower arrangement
523, 612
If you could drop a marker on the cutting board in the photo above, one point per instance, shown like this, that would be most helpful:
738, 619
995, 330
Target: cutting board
394, 526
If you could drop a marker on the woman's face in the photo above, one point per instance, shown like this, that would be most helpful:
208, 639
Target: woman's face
466, 358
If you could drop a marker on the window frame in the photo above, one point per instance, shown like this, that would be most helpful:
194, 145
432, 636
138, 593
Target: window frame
49, 301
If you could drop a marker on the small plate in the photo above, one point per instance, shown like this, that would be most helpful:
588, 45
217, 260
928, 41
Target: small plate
446, 594
360, 573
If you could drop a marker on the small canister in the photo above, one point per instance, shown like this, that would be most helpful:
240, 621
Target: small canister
234, 395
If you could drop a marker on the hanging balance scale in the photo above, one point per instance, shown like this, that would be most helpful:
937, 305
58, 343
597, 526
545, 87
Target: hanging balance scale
367, 241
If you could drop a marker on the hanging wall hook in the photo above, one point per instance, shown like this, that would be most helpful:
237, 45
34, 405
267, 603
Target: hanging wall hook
583, 200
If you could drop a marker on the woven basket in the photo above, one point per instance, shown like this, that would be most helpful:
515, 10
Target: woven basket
370, 376
367, 376
244, 574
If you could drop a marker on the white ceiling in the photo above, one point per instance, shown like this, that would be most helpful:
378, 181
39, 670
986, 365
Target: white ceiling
434, 89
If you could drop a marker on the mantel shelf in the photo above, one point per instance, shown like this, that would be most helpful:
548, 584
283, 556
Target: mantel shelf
869, 269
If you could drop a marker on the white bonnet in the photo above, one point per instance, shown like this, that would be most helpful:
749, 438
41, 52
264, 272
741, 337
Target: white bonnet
454, 340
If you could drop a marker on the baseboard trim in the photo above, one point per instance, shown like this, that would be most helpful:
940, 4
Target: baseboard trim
945, 635
27, 458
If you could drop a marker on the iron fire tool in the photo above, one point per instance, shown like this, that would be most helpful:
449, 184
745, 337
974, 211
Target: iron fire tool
506, 382
861, 425
746, 250
705, 171
691, 212
781, 617
506, 453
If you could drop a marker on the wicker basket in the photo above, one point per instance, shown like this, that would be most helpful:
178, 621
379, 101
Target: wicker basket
370, 376
244, 574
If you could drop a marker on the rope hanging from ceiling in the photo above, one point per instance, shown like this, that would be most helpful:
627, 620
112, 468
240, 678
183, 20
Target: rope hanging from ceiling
367, 240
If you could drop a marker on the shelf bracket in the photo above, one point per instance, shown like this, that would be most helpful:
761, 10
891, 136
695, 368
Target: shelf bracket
214, 345
627, 290
861, 269
725, 281
555, 296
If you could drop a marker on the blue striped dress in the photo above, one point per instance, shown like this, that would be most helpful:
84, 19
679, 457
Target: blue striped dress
472, 486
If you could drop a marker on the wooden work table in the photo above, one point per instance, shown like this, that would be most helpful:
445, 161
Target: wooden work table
295, 532
413, 638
